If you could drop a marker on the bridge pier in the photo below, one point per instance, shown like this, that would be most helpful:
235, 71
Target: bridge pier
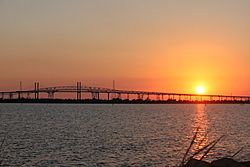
10, 96
19, 95
119, 96
36, 90
140, 96
95, 95
51, 95
128, 96
148, 98
78, 90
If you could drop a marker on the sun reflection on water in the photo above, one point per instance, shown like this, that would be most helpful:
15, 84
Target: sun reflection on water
200, 124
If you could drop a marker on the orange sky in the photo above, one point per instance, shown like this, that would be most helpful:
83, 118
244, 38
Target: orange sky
170, 46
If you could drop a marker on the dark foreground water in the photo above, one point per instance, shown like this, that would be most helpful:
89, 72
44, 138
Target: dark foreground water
119, 135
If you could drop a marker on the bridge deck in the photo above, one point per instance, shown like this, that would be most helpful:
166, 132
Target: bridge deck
95, 91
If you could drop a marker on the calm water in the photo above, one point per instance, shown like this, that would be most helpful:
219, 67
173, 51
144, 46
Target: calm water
119, 135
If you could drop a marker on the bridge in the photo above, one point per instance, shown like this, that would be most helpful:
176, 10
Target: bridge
95, 93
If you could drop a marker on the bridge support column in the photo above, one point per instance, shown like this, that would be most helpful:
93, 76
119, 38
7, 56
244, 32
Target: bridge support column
119, 95
128, 96
148, 98
140, 96
78, 90
95, 95
19, 95
36, 90
10, 95
108, 96
51, 95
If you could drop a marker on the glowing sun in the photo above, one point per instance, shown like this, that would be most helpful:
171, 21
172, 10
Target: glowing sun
200, 89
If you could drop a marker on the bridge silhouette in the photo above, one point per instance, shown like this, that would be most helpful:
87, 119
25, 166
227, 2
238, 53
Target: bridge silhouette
95, 93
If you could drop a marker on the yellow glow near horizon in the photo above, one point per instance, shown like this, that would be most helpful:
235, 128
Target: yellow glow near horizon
200, 89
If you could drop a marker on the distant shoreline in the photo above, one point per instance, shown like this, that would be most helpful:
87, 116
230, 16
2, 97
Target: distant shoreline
117, 101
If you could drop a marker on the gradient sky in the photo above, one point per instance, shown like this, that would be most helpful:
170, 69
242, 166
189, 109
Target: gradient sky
161, 45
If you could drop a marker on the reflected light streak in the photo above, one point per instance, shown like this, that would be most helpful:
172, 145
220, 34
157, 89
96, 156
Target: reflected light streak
200, 124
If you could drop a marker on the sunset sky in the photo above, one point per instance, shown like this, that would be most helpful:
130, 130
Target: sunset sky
156, 45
